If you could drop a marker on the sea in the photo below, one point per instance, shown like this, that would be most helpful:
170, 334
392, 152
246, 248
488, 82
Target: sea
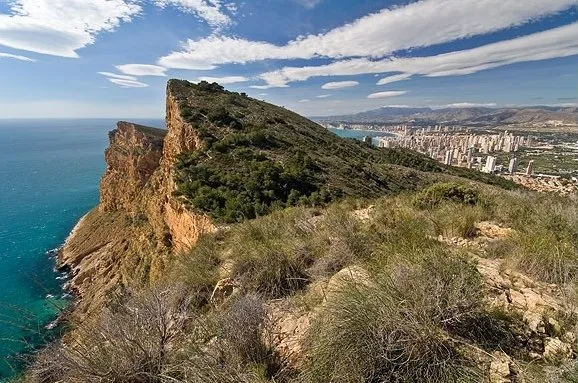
49, 178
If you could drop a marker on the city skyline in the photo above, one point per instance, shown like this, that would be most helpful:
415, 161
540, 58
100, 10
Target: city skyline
111, 58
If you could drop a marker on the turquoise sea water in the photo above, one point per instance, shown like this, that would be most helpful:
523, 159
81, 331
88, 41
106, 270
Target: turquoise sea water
49, 175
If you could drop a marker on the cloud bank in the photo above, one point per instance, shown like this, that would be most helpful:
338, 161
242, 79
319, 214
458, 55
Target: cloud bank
377, 35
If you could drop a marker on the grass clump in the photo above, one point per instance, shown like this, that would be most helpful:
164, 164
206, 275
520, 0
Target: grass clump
395, 327
545, 242
271, 255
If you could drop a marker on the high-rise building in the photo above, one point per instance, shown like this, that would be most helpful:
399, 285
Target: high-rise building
513, 167
448, 158
530, 168
490, 164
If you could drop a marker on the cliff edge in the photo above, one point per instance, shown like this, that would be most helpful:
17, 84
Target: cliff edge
138, 223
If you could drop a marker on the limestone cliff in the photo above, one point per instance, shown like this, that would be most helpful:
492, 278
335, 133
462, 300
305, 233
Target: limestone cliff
138, 224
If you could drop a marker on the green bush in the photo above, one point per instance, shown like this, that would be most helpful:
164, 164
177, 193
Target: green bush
440, 192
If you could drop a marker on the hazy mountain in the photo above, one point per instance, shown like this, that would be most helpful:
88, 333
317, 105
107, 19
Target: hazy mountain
468, 116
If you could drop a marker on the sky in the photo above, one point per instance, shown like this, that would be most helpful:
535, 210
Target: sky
112, 58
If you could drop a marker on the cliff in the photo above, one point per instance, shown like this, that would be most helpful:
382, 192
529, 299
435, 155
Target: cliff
127, 239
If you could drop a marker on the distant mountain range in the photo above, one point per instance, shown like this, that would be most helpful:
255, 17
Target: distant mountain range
476, 116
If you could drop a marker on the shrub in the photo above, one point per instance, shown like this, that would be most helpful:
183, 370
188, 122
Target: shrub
198, 269
246, 337
439, 192
395, 328
130, 342
272, 254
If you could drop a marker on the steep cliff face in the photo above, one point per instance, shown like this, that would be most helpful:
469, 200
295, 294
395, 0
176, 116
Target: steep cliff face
138, 224
133, 156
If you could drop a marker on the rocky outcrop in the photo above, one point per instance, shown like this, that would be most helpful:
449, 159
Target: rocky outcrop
133, 156
139, 223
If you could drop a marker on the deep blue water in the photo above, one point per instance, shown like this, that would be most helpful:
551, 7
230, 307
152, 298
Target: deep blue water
49, 175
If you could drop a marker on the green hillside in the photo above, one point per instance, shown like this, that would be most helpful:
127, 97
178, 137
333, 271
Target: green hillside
257, 157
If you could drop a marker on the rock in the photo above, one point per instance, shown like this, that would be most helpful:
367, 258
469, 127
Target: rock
534, 321
493, 230
223, 290
553, 328
500, 368
555, 349
291, 326
351, 274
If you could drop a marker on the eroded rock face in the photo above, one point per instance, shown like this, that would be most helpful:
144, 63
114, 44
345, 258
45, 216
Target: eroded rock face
132, 157
138, 224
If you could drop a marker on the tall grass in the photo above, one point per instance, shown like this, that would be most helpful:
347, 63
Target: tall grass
394, 328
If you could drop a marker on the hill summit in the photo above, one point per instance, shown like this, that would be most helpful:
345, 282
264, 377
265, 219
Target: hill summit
254, 157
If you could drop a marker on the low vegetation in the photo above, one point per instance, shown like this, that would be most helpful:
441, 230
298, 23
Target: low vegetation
256, 158
416, 315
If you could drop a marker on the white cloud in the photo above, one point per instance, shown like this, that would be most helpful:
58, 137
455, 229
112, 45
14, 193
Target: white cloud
118, 76
142, 70
391, 93
209, 10
339, 84
61, 27
304, 101
417, 24
128, 83
15, 57
263, 94
268, 86
323, 96
224, 80
554, 43
394, 78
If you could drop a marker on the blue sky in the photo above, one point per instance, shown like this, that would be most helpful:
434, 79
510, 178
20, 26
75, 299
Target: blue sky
112, 58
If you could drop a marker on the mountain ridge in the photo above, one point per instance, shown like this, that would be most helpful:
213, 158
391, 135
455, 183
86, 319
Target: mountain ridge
466, 115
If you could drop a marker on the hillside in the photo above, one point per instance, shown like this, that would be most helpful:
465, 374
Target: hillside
456, 283
222, 248
473, 116
255, 157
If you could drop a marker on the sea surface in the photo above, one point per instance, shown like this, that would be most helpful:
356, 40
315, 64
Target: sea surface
49, 176
359, 134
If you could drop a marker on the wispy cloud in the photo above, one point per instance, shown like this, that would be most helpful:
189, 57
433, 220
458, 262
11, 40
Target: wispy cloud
128, 83
323, 96
211, 11
15, 57
394, 78
339, 84
224, 80
391, 93
118, 76
309, 4
554, 43
61, 27
142, 70
304, 101
418, 24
